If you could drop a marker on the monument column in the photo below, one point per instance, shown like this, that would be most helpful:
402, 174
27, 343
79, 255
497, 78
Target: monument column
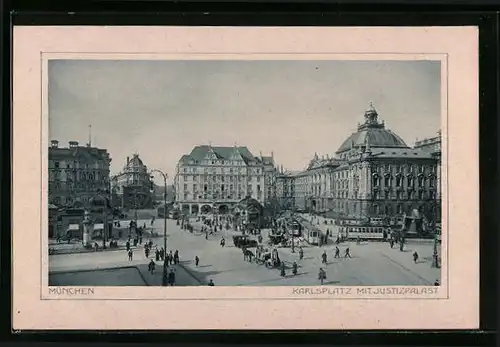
88, 228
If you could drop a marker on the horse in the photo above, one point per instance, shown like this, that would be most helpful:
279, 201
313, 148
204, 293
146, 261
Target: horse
247, 255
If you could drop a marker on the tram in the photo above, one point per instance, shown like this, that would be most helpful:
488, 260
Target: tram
365, 232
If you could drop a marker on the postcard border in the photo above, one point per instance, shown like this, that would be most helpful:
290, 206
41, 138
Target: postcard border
444, 100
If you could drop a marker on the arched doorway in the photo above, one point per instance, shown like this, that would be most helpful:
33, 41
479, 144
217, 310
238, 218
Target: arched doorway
206, 209
185, 209
313, 204
223, 209
195, 209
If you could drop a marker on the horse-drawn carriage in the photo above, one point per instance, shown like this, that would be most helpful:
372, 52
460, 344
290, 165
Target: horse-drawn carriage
276, 238
264, 256
243, 241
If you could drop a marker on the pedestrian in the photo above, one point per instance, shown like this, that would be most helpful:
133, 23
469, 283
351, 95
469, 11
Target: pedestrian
283, 273
324, 258
222, 242
337, 252
294, 266
211, 283
130, 254
162, 254
171, 278
196, 260
151, 266
415, 257
358, 241
321, 275
146, 252
140, 239
206, 234
150, 244
176, 257
301, 253
170, 258
392, 243
157, 255
347, 253
128, 245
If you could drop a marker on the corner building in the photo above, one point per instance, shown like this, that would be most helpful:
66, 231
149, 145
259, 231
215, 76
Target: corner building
133, 185
215, 179
76, 174
374, 174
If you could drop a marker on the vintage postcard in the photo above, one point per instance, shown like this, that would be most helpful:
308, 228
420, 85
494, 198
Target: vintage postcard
321, 178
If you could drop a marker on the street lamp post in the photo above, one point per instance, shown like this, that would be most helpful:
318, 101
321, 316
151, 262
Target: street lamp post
164, 278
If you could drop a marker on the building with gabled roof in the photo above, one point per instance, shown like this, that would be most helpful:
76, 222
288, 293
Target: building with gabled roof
215, 178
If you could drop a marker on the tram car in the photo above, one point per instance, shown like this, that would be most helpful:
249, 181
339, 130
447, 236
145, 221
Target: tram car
365, 232
311, 236
295, 228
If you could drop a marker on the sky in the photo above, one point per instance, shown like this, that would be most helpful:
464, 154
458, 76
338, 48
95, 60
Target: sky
162, 109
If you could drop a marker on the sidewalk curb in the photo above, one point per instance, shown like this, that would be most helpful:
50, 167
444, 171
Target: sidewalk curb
62, 272
407, 269
190, 273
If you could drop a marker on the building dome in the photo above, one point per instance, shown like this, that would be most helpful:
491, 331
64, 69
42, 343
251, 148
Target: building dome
135, 161
372, 133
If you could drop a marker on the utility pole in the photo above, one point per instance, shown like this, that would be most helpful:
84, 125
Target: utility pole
165, 214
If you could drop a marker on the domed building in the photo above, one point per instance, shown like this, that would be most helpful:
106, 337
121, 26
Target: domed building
133, 185
374, 173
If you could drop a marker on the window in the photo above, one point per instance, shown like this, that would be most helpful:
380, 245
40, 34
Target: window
398, 195
410, 182
399, 181
420, 181
387, 181
56, 164
431, 182
386, 195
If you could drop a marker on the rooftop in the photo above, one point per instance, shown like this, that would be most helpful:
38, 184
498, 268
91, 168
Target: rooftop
372, 133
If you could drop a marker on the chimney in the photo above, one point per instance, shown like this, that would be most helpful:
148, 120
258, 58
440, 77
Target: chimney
54, 144
128, 160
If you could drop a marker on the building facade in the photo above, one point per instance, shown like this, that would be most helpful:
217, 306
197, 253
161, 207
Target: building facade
76, 174
374, 173
285, 189
133, 185
217, 178
432, 145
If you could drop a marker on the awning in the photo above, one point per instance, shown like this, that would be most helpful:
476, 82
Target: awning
98, 227
73, 227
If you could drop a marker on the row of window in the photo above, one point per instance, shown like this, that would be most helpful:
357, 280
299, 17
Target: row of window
239, 196
214, 170
75, 186
77, 165
380, 209
219, 178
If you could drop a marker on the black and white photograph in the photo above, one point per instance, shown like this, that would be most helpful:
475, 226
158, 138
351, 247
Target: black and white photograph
244, 172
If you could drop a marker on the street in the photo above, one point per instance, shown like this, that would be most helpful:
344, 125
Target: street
372, 263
